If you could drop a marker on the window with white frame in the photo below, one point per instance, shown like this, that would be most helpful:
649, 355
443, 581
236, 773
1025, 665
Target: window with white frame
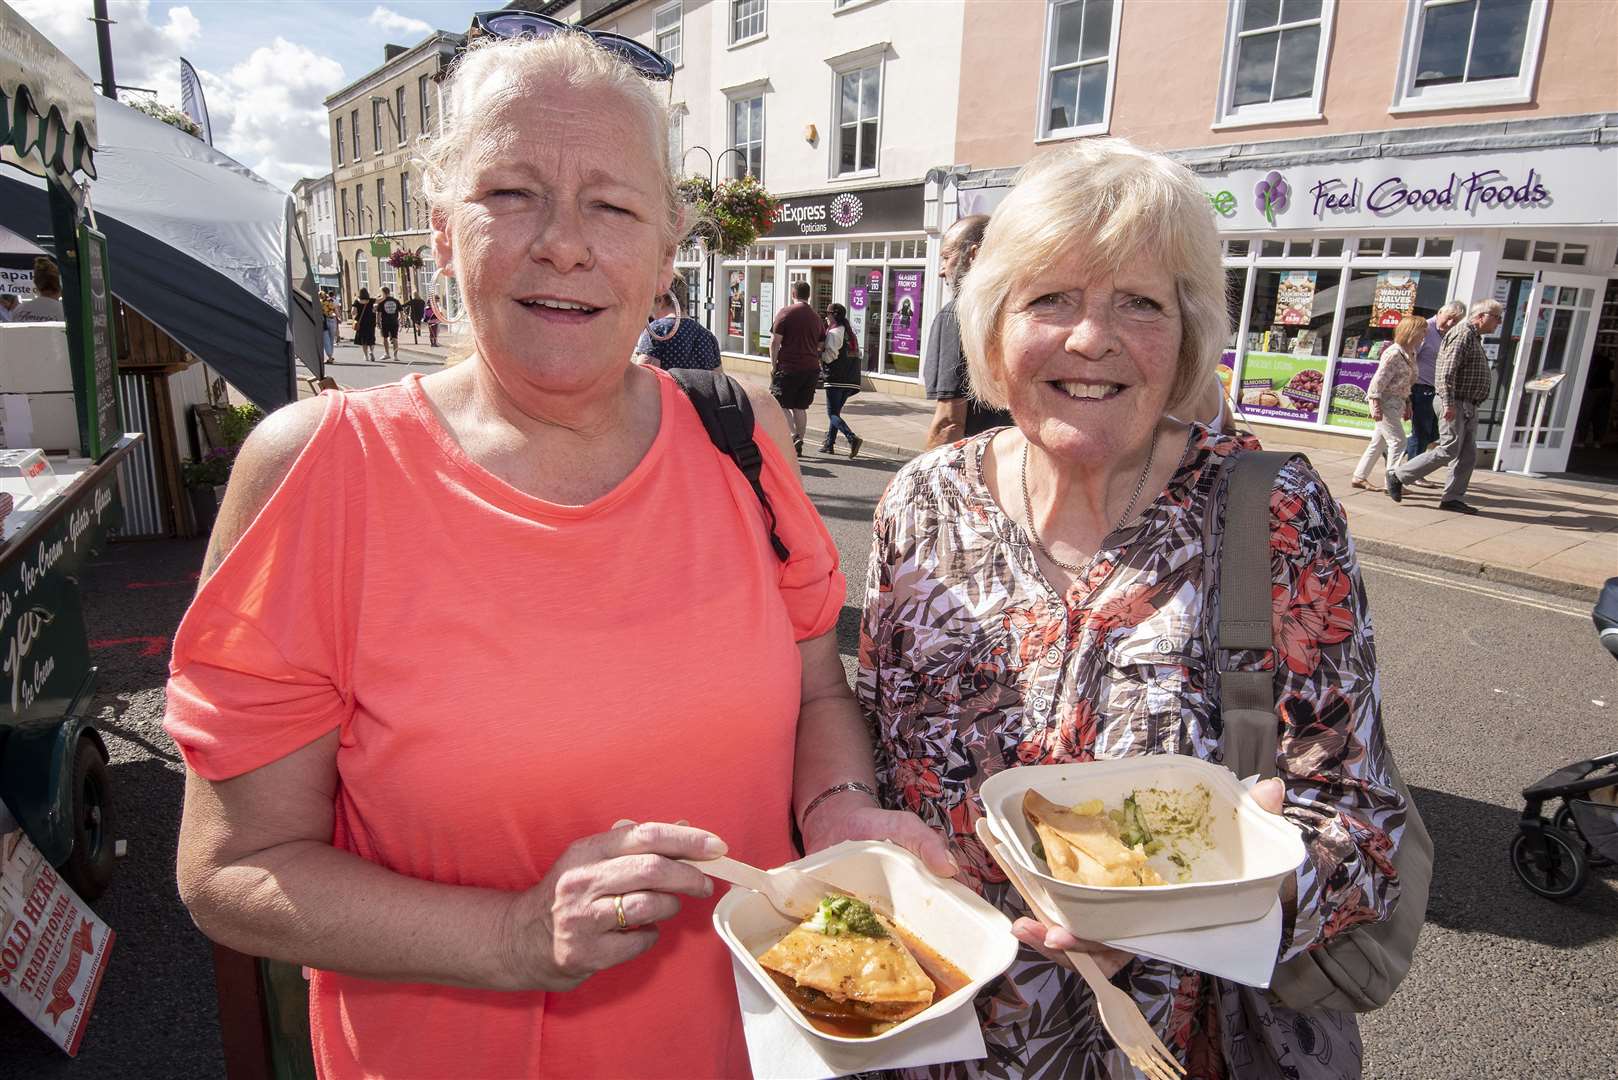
669, 32
338, 142
400, 117
859, 109
343, 227
362, 270
424, 93
746, 20
354, 131
426, 271
747, 136
1081, 44
376, 126
677, 140
1275, 60
404, 201
1469, 52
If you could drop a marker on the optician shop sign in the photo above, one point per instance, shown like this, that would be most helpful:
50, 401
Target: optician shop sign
1564, 186
840, 213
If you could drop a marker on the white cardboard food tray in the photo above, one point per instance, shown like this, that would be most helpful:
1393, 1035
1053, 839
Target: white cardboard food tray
1236, 881
951, 919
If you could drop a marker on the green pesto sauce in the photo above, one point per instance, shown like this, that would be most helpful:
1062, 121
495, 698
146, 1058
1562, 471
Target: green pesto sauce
846, 915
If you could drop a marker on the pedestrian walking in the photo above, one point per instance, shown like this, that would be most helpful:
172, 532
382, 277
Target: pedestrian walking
417, 310
430, 316
364, 312
1462, 384
795, 339
1389, 395
388, 312
957, 413
328, 318
840, 364
672, 341
1423, 419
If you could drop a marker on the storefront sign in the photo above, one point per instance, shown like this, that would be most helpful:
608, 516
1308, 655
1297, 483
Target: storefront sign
838, 213
1295, 298
1394, 297
906, 313
1281, 386
1569, 185
47, 105
53, 948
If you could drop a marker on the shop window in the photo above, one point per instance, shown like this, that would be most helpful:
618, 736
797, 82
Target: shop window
1235, 288
822, 252
1403, 247
670, 33
1469, 52
1082, 41
1574, 254
1330, 248
1370, 245
859, 106
1272, 249
749, 311
1300, 248
1289, 333
1435, 247
908, 249
746, 20
1275, 61
747, 136
1544, 252
1516, 250
1235, 249
1374, 304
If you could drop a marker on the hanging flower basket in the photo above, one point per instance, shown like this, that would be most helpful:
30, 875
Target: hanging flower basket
727, 219
404, 260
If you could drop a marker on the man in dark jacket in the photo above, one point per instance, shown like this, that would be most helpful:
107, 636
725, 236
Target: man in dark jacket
956, 415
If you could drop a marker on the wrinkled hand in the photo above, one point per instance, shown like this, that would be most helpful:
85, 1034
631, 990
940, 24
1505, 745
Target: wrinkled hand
1376, 411
565, 929
1053, 941
851, 815
1449, 412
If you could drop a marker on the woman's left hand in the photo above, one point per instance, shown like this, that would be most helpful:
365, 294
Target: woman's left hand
853, 816
1053, 941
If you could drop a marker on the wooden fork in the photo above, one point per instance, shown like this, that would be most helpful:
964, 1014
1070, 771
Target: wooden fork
1119, 1014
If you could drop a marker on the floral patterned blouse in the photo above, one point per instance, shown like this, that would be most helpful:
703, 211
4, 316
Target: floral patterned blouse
971, 663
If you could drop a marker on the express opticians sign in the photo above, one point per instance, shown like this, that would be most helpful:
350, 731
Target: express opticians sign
1558, 186
834, 213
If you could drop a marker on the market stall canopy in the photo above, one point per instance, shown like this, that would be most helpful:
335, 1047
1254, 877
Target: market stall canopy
199, 245
47, 105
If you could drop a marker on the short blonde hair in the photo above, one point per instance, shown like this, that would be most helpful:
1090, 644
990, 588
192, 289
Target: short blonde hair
1114, 202
1410, 333
492, 62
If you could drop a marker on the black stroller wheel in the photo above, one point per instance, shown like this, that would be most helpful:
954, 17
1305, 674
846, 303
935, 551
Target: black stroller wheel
1552, 864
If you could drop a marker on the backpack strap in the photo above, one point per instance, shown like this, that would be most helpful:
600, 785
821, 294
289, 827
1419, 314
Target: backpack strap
728, 417
1247, 698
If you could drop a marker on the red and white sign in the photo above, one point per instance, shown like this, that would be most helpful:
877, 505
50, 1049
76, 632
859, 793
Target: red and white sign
53, 948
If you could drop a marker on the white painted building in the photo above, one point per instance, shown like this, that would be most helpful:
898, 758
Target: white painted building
317, 219
844, 109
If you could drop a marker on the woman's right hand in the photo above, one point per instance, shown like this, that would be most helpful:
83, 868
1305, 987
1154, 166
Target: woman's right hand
1053, 941
565, 929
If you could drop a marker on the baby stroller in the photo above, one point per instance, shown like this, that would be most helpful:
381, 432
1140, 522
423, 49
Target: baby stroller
1553, 858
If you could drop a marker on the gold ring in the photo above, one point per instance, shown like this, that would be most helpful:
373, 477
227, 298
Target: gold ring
618, 906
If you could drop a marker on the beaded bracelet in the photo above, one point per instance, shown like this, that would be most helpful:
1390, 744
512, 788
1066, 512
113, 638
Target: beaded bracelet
847, 785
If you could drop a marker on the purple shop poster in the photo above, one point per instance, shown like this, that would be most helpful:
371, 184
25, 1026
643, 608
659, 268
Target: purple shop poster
906, 313
1350, 387
856, 311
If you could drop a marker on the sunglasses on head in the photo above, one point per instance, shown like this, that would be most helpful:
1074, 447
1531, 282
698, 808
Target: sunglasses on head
509, 23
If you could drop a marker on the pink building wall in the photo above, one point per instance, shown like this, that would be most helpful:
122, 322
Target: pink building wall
1169, 56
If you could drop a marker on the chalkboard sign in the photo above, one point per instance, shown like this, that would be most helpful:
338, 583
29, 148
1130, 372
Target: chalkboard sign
100, 351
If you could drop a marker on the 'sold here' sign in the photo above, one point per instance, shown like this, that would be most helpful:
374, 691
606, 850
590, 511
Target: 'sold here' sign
53, 948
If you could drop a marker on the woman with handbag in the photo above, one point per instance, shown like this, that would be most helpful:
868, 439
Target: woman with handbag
840, 374
1049, 593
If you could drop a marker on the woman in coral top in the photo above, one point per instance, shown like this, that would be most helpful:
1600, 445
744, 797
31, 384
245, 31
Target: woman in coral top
453, 630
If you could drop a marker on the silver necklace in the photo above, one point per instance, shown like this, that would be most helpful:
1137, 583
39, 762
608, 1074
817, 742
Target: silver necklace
1033, 530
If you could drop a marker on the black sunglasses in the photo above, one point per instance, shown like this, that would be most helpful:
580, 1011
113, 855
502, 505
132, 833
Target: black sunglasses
508, 23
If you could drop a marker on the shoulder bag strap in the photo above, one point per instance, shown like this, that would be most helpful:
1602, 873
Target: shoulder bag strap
1247, 698
728, 417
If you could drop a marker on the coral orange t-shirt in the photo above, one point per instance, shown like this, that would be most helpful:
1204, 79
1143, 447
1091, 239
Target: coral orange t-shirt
509, 675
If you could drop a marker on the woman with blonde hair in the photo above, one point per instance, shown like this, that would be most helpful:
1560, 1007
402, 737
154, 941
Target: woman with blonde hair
1046, 593
458, 634
1389, 395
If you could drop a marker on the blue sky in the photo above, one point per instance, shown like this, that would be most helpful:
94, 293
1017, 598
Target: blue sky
265, 64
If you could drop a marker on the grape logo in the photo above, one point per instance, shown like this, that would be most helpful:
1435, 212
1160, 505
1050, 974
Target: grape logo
1272, 194
846, 210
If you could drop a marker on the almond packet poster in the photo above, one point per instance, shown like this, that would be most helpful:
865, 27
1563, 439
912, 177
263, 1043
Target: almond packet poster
53, 948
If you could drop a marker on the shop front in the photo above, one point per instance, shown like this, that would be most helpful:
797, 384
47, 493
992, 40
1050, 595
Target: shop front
1323, 260
864, 248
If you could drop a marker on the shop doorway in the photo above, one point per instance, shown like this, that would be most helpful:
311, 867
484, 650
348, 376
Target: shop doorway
1595, 434
819, 279
1557, 335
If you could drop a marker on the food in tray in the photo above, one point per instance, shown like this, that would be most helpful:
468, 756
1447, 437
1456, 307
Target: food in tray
854, 972
1088, 844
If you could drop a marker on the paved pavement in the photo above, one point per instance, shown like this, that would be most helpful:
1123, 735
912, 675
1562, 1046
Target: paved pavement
1486, 687
1557, 536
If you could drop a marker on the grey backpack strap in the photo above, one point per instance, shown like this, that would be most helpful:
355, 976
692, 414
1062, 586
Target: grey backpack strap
1247, 698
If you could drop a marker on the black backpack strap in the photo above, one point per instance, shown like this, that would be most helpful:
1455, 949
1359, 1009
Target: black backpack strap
728, 417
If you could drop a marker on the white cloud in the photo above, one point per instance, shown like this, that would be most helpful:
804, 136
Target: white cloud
394, 23
266, 111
